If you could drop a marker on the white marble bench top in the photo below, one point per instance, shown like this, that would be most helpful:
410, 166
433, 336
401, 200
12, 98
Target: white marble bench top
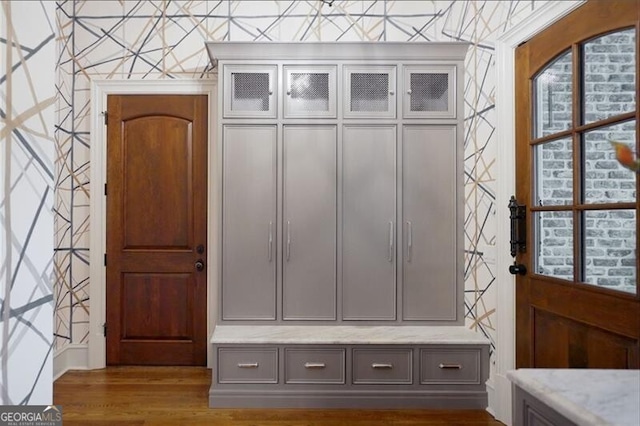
344, 334
586, 397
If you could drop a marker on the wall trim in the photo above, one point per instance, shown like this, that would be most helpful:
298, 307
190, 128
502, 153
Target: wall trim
100, 89
491, 396
505, 186
71, 357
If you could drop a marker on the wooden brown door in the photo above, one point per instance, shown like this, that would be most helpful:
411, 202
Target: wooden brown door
576, 90
156, 230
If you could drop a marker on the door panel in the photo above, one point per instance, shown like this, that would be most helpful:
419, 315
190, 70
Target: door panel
584, 344
249, 223
429, 287
368, 223
155, 307
578, 304
156, 297
165, 137
309, 223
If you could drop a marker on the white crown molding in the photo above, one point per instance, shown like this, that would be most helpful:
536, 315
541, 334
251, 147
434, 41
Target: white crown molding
100, 89
341, 51
505, 187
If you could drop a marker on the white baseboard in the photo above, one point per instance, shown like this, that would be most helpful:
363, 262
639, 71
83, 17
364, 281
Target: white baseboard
71, 357
491, 394
503, 409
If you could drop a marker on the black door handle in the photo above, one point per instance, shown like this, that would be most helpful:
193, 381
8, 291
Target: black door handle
518, 222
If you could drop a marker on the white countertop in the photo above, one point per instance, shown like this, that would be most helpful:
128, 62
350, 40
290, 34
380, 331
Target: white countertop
344, 334
585, 396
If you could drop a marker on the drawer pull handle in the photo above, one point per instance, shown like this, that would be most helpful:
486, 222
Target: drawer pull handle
314, 365
382, 366
450, 366
248, 365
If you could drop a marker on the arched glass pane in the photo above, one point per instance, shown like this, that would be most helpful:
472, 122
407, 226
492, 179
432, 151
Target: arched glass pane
553, 89
609, 75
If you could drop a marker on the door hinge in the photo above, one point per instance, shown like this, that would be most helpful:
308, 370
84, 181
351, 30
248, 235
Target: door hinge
104, 329
105, 189
105, 259
106, 117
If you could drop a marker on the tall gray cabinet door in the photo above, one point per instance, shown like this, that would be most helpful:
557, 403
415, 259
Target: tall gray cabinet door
368, 223
249, 222
309, 223
429, 193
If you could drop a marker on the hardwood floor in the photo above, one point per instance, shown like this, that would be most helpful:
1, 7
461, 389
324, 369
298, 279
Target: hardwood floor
179, 396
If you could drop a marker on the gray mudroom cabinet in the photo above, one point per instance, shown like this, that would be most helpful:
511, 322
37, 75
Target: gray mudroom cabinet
369, 222
428, 202
249, 212
309, 174
340, 227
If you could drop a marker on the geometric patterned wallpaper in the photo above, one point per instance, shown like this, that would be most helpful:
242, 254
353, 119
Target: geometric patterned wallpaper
27, 173
165, 40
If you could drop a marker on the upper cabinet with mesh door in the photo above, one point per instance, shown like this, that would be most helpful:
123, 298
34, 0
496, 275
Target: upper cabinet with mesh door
429, 91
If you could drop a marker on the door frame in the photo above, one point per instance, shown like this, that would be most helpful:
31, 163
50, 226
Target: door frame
100, 89
540, 19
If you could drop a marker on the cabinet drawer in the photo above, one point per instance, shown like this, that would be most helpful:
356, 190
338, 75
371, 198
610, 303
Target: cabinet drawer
387, 366
247, 365
314, 365
446, 366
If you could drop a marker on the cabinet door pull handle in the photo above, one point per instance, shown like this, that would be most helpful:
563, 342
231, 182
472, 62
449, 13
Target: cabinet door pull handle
270, 255
248, 365
390, 257
450, 366
288, 240
409, 241
382, 366
314, 365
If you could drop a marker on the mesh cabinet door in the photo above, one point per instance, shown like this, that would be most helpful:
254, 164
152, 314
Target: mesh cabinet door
310, 92
370, 92
429, 92
249, 91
